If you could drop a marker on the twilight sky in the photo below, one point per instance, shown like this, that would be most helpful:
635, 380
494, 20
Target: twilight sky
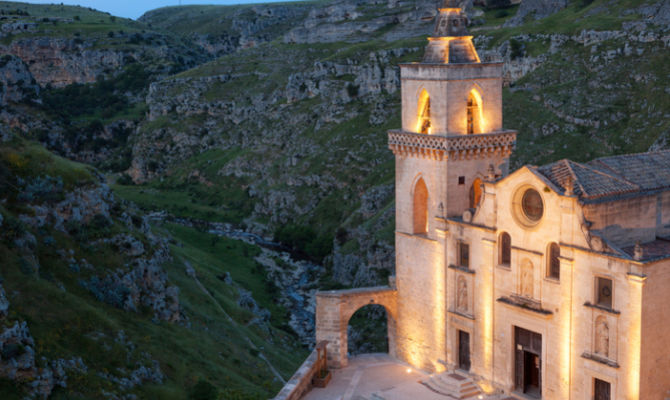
135, 8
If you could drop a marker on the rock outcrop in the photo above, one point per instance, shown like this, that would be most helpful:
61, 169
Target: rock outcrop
536, 9
16, 81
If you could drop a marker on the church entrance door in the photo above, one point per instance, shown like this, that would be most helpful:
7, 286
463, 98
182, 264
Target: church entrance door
602, 390
528, 362
464, 350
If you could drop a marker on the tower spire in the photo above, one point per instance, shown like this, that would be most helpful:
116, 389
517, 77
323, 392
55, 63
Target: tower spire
450, 42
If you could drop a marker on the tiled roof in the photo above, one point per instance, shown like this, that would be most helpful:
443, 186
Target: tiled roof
656, 249
605, 177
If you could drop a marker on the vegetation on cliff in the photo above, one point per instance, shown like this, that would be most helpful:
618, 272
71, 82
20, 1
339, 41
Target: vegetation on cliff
264, 123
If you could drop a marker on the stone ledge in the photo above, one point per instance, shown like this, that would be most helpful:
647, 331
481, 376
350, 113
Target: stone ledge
599, 359
355, 291
598, 307
461, 314
462, 269
525, 305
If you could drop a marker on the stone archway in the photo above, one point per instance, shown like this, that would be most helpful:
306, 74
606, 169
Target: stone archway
334, 308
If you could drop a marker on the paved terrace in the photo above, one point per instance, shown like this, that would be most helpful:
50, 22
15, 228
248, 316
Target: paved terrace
379, 377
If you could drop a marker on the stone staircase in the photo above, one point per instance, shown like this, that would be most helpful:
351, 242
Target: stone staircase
452, 384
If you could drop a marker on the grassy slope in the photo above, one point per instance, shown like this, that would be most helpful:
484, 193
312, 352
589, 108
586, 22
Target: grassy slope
210, 19
65, 319
86, 23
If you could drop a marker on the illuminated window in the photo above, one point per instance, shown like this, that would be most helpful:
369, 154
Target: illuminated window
423, 108
604, 292
553, 263
473, 114
463, 254
505, 243
420, 215
475, 193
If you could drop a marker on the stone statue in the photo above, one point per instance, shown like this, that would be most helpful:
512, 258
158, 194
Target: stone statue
526, 286
602, 337
462, 294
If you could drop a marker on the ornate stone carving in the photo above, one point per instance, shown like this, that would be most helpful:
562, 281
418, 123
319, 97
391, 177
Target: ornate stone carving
602, 342
462, 294
461, 146
526, 280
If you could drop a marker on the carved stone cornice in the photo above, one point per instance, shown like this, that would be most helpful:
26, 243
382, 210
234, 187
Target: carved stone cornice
439, 147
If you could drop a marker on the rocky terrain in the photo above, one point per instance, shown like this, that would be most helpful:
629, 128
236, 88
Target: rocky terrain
329, 108
235, 161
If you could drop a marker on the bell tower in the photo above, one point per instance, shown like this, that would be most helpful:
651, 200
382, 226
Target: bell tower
451, 140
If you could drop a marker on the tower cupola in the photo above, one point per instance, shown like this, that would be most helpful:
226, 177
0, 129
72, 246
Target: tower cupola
450, 42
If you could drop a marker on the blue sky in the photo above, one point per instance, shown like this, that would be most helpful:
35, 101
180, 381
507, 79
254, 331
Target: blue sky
135, 8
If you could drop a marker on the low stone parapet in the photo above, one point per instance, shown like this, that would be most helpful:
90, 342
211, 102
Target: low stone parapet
301, 381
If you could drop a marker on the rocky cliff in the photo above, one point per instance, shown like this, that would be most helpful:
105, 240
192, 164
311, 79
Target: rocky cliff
306, 138
265, 169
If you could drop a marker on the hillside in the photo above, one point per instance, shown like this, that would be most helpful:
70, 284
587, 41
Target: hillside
174, 189
97, 299
303, 142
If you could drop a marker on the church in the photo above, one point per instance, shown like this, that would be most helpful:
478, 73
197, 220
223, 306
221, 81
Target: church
546, 282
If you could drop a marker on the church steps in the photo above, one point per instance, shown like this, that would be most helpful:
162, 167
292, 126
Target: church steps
451, 384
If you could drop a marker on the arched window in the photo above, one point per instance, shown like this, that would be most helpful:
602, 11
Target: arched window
423, 111
475, 193
505, 249
473, 113
420, 203
553, 263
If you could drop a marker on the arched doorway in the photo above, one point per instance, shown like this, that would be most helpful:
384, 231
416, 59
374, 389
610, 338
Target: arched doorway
334, 309
367, 331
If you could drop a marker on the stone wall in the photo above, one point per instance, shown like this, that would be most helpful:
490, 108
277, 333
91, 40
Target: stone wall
301, 381
655, 364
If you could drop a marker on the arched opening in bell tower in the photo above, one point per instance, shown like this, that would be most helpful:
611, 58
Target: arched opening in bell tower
423, 113
420, 206
474, 112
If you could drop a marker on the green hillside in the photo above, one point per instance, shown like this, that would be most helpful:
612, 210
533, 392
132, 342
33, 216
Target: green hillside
262, 122
55, 280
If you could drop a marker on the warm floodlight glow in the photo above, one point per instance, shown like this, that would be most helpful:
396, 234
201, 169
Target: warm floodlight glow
475, 117
409, 370
423, 124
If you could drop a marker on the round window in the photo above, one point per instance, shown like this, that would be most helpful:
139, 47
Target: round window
531, 204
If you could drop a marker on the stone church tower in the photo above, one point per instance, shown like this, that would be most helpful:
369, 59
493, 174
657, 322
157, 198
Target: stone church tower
452, 139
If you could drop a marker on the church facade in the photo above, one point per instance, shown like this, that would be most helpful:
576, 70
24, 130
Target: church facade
548, 282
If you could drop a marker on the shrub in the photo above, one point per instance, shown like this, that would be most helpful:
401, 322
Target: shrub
125, 180
42, 189
305, 241
107, 290
517, 49
352, 89
203, 390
